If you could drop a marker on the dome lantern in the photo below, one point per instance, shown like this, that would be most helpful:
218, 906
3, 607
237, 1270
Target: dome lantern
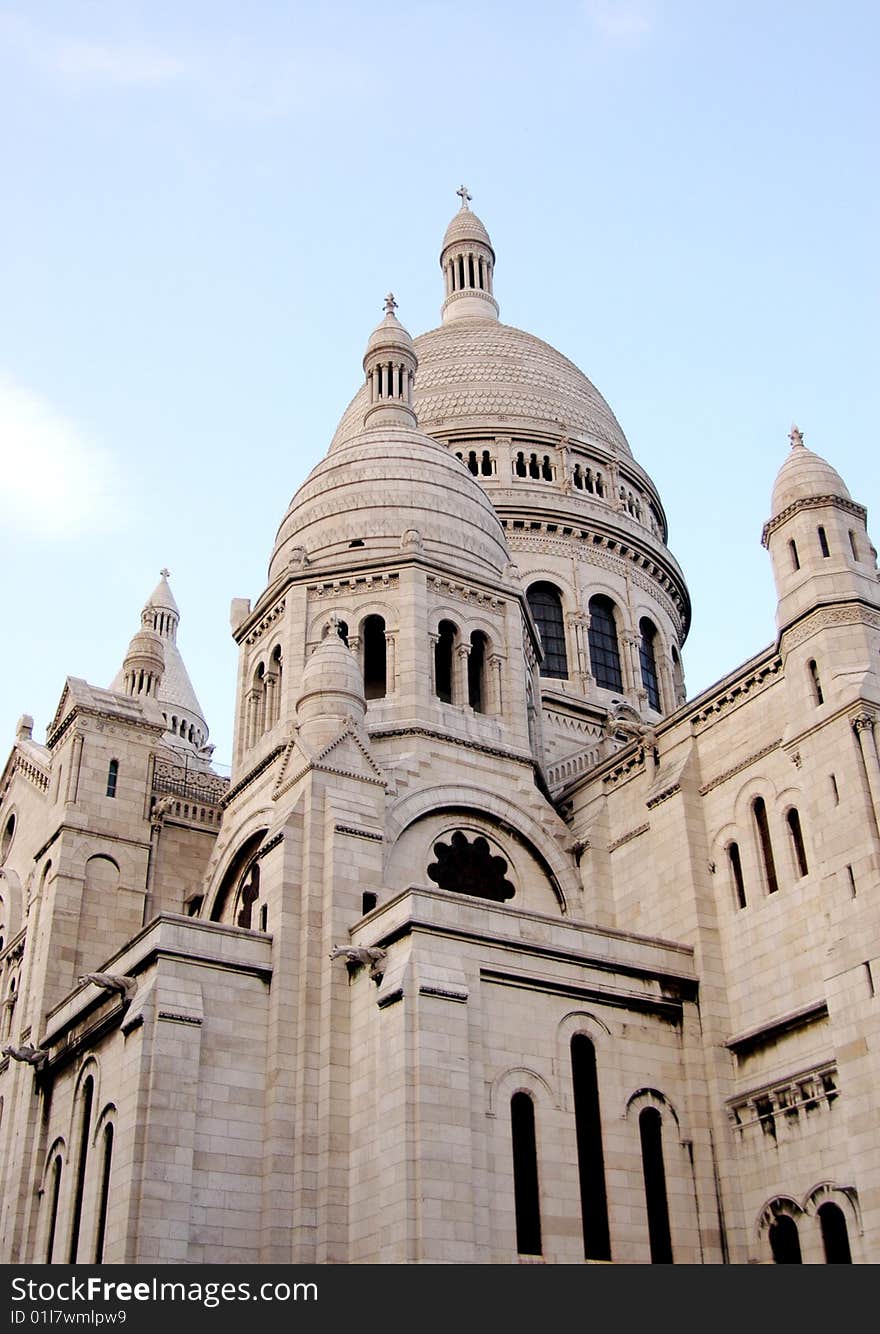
468, 263
390, 363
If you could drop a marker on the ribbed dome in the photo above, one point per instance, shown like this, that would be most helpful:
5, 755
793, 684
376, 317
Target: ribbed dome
389, 334
466, 226
384, 491
804, 476
331, 680
483, 373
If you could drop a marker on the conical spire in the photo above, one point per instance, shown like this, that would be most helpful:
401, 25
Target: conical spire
468, 263
157, 639
390, 363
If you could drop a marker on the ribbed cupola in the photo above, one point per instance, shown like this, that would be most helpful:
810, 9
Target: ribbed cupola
468, 263
390, 364
143, 665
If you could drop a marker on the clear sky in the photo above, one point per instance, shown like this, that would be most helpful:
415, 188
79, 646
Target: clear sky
204, 203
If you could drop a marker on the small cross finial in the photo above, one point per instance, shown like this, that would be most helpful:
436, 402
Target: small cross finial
390, 304
796, 437
164, 573
463, 192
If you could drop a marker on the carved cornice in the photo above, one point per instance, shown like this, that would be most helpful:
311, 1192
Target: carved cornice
849, 613
264, 623
811, 503
252, 775
356, 583
628, 837
663, 795
355, 832
737, 693
454, 588
738, 768
37, 777
433, 734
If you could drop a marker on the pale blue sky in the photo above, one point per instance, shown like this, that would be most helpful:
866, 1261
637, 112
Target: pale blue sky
205, 203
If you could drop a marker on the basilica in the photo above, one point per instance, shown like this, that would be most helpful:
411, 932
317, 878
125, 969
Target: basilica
496, 947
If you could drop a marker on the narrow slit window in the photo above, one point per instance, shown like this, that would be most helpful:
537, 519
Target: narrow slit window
793, 821
853, 545
86, 1097
591, 1157
526, 1194
736, 871
53, 1209
816, 683
795, 562
823, 542
654, 1172
112, 777
765, 845
105, 1194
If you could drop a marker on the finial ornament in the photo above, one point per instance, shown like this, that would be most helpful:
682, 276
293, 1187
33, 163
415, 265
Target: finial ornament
796, 437
463, 192
390, 304
164, 573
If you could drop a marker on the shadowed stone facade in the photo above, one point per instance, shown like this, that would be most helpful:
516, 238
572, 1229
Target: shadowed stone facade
495, 948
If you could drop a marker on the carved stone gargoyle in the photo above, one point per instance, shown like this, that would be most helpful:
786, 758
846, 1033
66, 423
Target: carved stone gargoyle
32, 1055
126, 986
356, 957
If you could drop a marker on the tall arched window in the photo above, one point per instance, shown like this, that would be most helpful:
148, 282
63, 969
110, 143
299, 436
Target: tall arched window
604, 652
88, 1091
736, 871
648, 661
54, 1195
765, 847
545, 602
375, 658
834, 1235
104, 1197
477, 672
112, 777
785, 1244
443, 660
277, 668
651, 1134
793, 820
526, 1195
591, 1158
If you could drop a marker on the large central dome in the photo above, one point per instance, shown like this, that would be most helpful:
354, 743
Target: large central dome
479, 372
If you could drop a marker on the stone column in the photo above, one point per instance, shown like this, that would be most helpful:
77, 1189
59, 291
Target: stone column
76, 751
460, 674
496, 697
390, 662
433, 641
580, 633
863, 725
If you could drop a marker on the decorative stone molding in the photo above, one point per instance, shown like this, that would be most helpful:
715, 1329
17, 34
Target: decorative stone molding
811, 503
355, 832
361, 583
252, 775
264, 623
738, 768
780, 1104
453, 588
749, 686
628, 837
852, 613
